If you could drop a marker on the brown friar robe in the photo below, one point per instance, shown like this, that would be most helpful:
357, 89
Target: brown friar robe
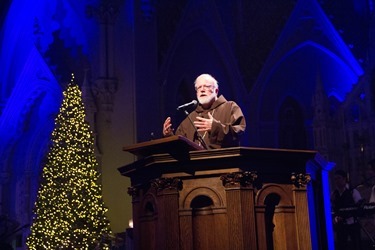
227, 127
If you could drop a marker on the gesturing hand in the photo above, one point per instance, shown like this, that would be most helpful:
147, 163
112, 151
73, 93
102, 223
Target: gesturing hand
204, 124
167, 127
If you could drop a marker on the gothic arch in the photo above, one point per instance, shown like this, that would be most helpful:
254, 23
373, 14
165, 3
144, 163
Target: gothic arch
268, 189
217, 201
209, 54
149, 205
303, 62
25, 127
295, 75
28, 118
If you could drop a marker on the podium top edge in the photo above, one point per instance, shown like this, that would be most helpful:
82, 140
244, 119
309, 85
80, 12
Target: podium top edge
162, 145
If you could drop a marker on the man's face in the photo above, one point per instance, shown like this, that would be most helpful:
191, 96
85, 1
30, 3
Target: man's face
206, 91
370, 175
340, 181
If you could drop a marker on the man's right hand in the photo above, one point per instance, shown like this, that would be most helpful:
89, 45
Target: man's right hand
167, 127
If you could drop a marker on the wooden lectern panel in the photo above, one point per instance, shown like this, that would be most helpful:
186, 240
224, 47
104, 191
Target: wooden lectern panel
230, 198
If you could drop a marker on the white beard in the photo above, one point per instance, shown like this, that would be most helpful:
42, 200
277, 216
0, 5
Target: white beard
206, 99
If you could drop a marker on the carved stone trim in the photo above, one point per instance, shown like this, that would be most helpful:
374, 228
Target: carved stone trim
242, 179
166, 183
300, 180
133, 191
104, 90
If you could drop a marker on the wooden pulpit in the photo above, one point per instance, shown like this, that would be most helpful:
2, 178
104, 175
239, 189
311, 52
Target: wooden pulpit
185, 197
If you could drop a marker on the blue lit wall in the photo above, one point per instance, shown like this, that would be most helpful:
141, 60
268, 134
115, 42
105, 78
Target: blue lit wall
42, 43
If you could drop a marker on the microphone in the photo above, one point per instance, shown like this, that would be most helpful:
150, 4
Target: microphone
183, 106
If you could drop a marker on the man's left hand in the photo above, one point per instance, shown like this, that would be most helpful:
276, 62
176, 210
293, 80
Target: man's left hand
204, 124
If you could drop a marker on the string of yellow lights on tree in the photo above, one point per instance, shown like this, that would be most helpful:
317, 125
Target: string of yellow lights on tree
69, 211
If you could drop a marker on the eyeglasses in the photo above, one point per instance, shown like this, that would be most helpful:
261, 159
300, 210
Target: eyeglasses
204, 87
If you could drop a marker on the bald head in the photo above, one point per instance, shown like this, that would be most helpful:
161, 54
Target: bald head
207, 78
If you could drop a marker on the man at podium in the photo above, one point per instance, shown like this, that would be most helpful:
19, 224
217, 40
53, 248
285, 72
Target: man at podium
215, 122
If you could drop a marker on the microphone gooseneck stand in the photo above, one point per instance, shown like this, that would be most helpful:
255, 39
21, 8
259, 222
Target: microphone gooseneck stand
200, 138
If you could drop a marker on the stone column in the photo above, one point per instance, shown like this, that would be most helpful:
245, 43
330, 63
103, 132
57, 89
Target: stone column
240, 209
105, 85
301, 205
168, 236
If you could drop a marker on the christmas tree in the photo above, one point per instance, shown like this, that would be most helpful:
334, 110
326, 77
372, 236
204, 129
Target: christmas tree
69, 211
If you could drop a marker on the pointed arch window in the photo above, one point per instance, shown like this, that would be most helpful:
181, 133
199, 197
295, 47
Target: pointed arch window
292, 133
